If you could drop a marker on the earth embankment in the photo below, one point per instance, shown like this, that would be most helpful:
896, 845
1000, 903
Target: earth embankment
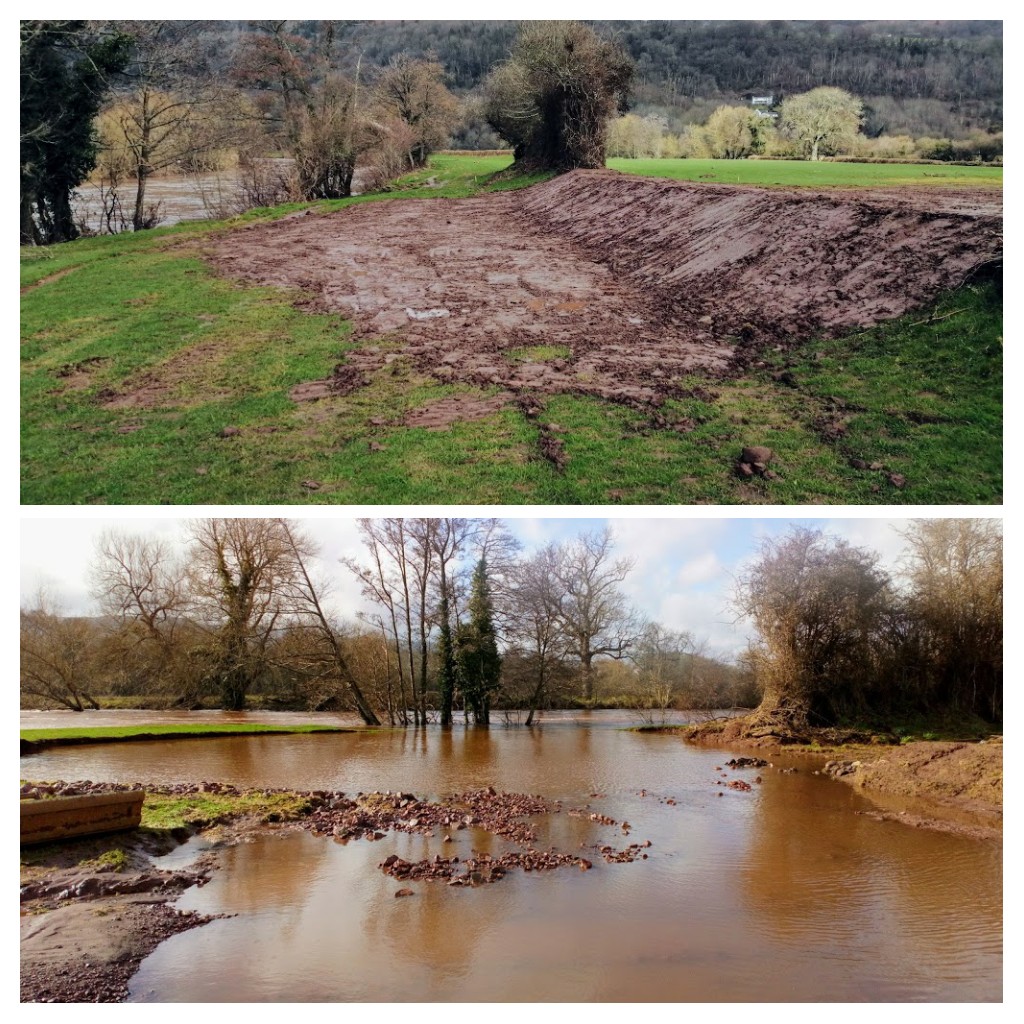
611, 285
774, 263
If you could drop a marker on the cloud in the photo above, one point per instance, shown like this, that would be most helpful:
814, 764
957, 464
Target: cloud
709, 618
699, 570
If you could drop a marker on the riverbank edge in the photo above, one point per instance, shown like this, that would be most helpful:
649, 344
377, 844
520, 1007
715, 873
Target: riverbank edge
71, 949
188, 732
946, 786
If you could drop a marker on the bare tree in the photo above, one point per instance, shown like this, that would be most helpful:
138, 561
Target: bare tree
534, 622
57, 652
822, 120
302, 597
596, 618
331, 134
322, 113
171, 95
414, 572
955, 572
449, 537
397, 577
141, 586
664, 665
238, 571
413, 91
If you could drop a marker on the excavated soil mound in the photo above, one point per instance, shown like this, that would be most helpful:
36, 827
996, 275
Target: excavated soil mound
612, 285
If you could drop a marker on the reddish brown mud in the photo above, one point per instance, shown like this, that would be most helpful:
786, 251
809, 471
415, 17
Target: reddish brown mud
611, 285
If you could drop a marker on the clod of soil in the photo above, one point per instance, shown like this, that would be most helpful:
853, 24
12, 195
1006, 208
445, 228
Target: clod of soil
754, 461
77, 376
343, 381
640, 280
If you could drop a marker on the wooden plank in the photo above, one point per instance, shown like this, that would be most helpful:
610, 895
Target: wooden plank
66, 816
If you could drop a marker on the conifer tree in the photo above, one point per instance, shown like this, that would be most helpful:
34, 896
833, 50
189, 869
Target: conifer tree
478, 657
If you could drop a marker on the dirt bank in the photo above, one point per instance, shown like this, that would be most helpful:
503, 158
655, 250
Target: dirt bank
946, 786
611, 285
88, 919
951, 786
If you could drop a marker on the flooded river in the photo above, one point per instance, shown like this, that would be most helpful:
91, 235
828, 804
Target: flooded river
783, 893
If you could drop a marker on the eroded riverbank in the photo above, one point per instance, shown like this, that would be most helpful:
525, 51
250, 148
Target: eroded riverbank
947, 786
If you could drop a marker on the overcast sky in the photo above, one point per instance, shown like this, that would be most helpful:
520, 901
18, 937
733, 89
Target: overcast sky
684, 571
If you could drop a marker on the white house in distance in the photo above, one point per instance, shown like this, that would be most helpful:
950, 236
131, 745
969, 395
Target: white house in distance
762, 102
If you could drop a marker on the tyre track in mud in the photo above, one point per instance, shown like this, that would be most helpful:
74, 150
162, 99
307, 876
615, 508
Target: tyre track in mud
628, 283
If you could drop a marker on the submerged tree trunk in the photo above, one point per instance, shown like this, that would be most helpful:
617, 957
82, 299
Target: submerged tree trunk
446, 657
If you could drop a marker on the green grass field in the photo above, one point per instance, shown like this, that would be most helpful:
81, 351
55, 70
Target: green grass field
920, 396
116, 733
821, 174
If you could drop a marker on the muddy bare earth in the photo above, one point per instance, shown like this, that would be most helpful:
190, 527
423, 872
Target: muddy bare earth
946, 786
955, 787
612, 285
86, 926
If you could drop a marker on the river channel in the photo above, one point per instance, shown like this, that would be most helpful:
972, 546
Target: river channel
782, 893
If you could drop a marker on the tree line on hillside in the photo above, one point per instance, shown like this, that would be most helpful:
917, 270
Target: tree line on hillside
461, 621
144, 97
958, 63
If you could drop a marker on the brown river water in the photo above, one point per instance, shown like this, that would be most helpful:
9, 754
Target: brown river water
783, 893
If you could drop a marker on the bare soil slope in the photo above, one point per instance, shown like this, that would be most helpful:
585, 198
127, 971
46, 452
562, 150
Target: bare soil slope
633, 282
960, 782
943, 785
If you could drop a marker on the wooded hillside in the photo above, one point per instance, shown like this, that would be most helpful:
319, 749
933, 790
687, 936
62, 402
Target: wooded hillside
936, 77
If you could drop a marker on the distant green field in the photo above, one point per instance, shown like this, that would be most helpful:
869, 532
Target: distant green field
821, 174
920, 393
106, 734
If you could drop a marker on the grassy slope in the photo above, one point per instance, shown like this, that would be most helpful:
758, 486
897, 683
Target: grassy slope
918, 397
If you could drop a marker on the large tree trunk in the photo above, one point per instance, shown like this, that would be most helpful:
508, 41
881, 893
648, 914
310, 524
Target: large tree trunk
587, 667
63, 219
446, 673
139, 214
